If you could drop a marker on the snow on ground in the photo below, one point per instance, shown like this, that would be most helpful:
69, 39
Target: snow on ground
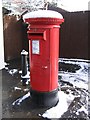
82, 109
80, 77
74, 95
74, 89
21, 99
60, 108
27, 75
17, 88
12, 71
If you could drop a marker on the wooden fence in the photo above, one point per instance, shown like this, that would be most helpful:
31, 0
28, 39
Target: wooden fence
74, 34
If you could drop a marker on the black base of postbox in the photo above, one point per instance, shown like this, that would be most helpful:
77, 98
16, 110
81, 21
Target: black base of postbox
44, 99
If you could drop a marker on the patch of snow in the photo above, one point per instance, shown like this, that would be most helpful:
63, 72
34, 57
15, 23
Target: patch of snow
82, 109
6, 63
70, 97
28, 81
43, 14
60, 108
20, 72
24, 52
73, 60
17, 88
6, 68
26, 76
13, 71
20, 100
78, 79
26, 89
13, 5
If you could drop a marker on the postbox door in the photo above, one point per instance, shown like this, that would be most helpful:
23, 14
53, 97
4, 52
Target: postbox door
40, 62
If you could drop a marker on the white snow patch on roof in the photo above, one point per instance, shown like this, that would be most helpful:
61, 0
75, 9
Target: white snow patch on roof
43, 14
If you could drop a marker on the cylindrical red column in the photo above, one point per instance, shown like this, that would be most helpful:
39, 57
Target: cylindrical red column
43, 35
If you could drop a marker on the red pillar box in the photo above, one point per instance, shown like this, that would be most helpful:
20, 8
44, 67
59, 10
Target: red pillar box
43, 35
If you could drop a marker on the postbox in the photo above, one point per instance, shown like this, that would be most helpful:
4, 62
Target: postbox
43, 35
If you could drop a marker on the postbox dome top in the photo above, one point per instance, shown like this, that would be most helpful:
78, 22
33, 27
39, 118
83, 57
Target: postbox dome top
43, 14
